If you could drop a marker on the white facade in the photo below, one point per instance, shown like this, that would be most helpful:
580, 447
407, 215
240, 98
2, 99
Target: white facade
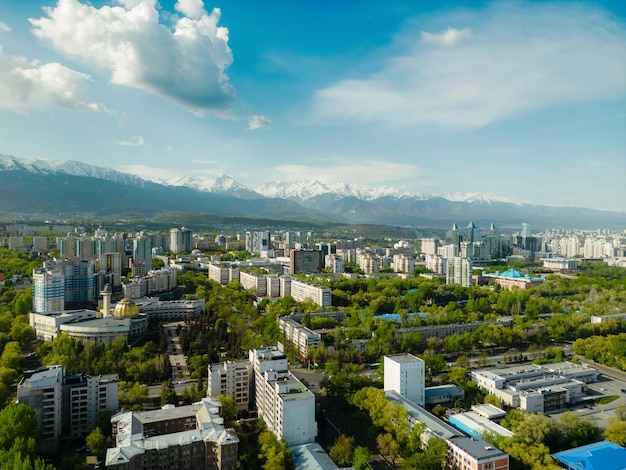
335, 263
403, 263
302, 291
233, 379
298, 335
459, 271
404, 374
48, 290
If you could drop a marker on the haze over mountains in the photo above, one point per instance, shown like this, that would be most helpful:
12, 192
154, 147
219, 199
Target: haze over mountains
45, 186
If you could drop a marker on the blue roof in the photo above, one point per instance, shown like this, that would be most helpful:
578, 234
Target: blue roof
396, 316
602, 455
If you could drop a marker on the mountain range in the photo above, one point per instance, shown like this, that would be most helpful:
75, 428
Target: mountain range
71, 187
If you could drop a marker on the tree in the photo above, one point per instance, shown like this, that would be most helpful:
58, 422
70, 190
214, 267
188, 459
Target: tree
341, 451
389, 447
228, 410
97, 443
361, 458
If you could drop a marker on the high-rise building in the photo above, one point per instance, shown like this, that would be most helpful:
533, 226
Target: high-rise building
404, 374
233, 379
282, 401
66, 406
459, 271
181, 240
306, 261
48, 290
142, 255
258, 242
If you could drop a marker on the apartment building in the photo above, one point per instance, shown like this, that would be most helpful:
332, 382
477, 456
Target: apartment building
233, 379
298, 335
191, 437
404, 373
66, 406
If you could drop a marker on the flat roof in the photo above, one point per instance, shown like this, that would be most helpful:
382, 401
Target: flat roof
603, 455
403, 358
477, 448
416, 412
480, 425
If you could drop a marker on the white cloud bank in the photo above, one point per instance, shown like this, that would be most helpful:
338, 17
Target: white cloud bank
339, 170
185, 64
28, 84
504, 60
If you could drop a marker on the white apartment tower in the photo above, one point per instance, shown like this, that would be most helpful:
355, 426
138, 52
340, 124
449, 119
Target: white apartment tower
181, 240
404, 374
233, 379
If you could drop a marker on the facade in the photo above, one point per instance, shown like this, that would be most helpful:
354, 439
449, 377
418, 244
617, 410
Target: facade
281, 400
258, 242
404, 374
66, 407
403, 263
306, 261
223, 273
48, 290
545, 388
560, 264
171, 310
509, 279
459, 271
189, 437
468, 452
47, 326
233, 379
302, 291
298, 335
181, 240
335, 263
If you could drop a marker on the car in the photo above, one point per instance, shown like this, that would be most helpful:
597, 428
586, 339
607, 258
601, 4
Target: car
623, 390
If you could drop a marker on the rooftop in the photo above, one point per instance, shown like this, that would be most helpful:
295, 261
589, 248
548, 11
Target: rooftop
477, 448
602, 455
404, 358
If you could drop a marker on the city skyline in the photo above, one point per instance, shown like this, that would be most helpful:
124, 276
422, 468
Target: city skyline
524, 100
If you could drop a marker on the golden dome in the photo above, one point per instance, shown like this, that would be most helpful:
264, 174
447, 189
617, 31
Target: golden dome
126, 308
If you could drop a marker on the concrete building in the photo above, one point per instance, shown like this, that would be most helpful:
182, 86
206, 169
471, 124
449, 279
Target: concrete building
468, 452
459, 271
48, 290
545, 388
302, 291
335, 263
298, 335
66, 406
403, 263
191, 437
282, 401
404, 374
306, 261
48, 325
509, 279
560, 264
181, 240
258, 242
233, 379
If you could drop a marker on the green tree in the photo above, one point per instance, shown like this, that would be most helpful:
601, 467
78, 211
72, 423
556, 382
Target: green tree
97, 443
389, 447
228, 410
362, 456
341, 451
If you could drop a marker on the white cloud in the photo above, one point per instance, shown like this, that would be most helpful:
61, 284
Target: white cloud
136, 143
191, 8
186, 64
28, 84
519, 57
371, 172
259, 122
4, 27
449, 37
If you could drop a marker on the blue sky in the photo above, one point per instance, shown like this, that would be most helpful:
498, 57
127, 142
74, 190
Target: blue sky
525, 100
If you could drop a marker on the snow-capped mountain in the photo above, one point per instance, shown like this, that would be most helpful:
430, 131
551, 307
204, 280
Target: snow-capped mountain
70, 167
27, 186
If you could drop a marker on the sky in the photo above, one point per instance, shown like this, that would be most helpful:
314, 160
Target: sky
519, 100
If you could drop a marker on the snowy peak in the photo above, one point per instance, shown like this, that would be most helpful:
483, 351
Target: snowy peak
70, 167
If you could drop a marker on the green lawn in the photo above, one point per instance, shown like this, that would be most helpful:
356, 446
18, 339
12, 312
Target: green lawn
608, 399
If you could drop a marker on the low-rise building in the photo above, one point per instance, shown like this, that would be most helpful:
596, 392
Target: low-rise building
510, 279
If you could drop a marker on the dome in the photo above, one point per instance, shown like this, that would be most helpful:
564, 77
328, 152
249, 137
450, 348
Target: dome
126, 308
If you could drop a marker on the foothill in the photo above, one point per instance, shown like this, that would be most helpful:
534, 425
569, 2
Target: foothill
244, 347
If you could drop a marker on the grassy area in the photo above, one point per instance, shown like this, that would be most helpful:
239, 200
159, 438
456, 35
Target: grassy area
608, 399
